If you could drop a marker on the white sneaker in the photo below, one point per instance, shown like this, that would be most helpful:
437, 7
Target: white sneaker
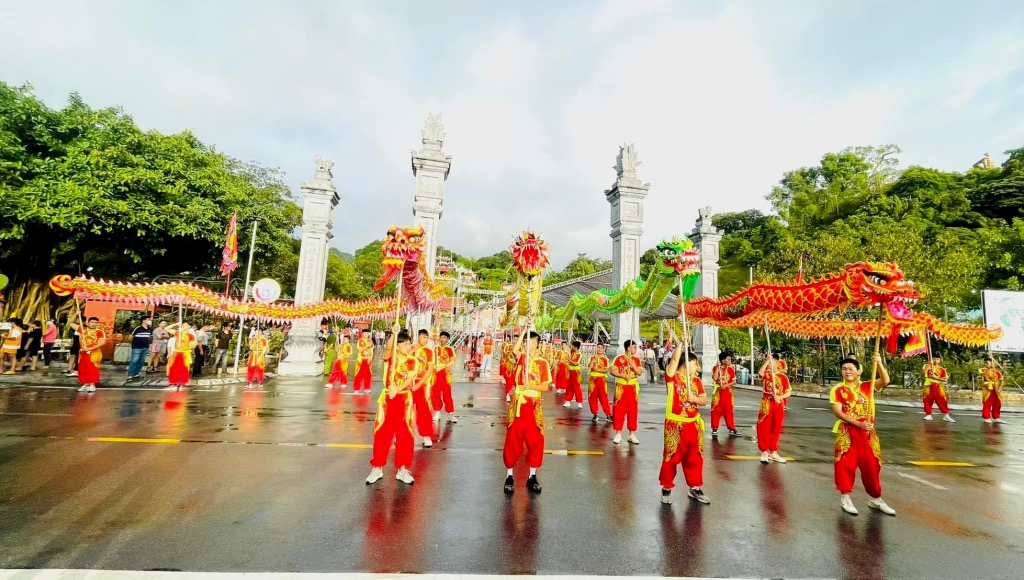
404, 476
993, 420
880, 505
452, 418
633, 439
847, 504
617, 439
508, 398
765, 458
326, 386
437, 416
427, 442
776, 457
948, 419
988, 420
579, 405
567, 405
666, 496
375, 475
927, 417
91, 389
83, 389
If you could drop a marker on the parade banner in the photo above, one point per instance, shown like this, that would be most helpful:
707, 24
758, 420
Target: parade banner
1005, 308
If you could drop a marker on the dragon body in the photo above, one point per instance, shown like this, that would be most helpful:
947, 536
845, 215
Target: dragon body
402, 253
676, 259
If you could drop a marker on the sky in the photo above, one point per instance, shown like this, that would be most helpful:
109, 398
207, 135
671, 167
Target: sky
719, 98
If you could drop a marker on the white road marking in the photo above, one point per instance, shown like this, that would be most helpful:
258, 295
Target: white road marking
920, 480
816, 408
884, 411
1010, 488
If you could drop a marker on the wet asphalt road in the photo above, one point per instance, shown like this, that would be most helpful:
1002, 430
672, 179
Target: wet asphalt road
229, 480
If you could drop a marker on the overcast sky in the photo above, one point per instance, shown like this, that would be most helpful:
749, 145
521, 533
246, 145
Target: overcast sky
720, 98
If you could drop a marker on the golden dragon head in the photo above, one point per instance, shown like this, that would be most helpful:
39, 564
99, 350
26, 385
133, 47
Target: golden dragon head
870, 283
61, 285
400, 246
529, 254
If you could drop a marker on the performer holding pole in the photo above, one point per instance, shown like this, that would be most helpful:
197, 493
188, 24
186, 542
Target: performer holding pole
626, 368
991, 391
772, 412
722, 398
935, 380
597, 385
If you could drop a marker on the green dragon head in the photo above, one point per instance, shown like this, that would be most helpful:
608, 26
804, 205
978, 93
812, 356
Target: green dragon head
677, 257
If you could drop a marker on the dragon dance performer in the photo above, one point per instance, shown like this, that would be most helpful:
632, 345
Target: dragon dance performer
179, 362
90, 356
526, 414
441, 394
857, 445
256, 368
363, 381
626, 368
572, 381
330, 351
508, 367
395, 408
488, 349
772, 413
421, 396
684, 428
935, 379
560, 359
991, 391
597, 385
339, 368
722, 404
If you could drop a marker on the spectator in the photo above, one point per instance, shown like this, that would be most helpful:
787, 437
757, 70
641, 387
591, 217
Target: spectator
649, 357
11, 346
158, 347
49, 339
142, 338
202, 350
31, 342
74, 321
221, 345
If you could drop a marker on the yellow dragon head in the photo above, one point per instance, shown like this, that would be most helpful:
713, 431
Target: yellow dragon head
400, 246
870, 283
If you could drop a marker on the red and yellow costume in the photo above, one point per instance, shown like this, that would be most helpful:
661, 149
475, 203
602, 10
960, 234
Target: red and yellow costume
425, 357
722, 404
179, 365
526, 415
508, 366
934, 392
684, 433
598, 385
89, 362
855, 447
441, 394
573, 388
339, 370
772, 414
627, 392
393, 422
991, 393
560, 359
258, 346
363, 381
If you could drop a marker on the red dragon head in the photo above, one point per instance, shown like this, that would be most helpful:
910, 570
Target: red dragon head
400, 246
870, 283
529, 254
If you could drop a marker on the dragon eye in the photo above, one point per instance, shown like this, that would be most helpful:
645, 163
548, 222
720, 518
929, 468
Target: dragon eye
879, 280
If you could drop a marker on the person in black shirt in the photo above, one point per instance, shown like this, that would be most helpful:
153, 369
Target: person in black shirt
141, 338
222, 343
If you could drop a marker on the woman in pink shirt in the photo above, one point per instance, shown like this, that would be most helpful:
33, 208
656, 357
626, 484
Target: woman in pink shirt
49, 338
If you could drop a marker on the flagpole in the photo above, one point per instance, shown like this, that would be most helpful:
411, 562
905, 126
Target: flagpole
245, 294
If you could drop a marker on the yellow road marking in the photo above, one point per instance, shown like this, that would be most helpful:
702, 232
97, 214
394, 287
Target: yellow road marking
581, 452
941, 463
130, 440
758, 457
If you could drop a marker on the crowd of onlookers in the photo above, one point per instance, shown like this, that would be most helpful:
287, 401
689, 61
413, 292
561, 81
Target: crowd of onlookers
22, 342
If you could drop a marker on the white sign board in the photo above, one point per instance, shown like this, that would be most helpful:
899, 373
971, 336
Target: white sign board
1005, 309
266, 290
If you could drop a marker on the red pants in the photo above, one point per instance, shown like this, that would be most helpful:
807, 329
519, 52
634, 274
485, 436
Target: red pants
254, 374
560, 377
338, 375
859, 455
177, 370
88, 372
724, 408
522, 433
574, 392
393, 423
687, 439
770, 428
424, 413
599, 394
626, 405
363, 381
441, 393
935, 396
990, 407
510, 383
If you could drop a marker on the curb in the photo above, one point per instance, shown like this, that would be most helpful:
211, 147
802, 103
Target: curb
889, 402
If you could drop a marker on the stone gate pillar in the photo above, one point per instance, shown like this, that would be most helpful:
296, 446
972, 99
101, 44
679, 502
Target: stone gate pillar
430, 166
627, 217
320, 197
705, 337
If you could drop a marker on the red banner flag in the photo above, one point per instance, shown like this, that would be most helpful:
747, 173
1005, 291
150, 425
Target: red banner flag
915, 345
229, 260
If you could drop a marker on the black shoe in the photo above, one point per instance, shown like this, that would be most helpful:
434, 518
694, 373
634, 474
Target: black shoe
697, 493
510, 484
594, 420
735, 433
714, 433
666, 496
532, 484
